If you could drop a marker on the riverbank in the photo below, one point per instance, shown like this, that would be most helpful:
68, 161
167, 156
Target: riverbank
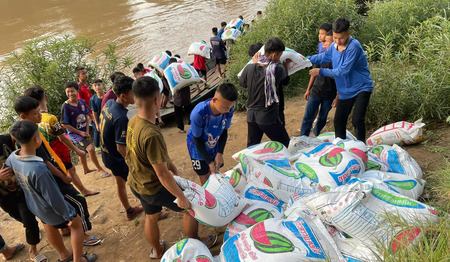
125, 241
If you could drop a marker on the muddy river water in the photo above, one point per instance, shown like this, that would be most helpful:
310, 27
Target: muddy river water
139, 28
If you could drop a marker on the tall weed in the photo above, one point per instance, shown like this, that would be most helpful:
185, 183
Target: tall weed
397, 17
414, 81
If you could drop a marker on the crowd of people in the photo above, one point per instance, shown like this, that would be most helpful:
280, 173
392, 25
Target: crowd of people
38, 178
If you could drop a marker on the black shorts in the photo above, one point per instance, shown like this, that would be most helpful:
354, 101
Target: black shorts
200, 167
68, 165
202, 72
121, 173
63, 224
117, 167
153, 204
83, 144
221, 61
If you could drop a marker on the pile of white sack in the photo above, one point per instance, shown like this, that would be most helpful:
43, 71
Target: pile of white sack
312, 201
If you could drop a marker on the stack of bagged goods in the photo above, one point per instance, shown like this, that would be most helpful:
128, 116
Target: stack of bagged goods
159, 61
180, 75
329, 166
363, 212
236, 23
271, 176
329, 136
271, 152
313, 201
201, 49
399, 183
304, 239
397, 160
263, 205
157, 78
398, 133
302, 144
188, 249
297, 60
236, 178
231, 34
216, 204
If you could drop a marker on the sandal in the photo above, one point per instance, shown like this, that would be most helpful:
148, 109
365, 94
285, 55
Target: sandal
163, 244
40, 258
90, 257
67, 259
93, 241
163, 215
212, 240
17, 248
105, 175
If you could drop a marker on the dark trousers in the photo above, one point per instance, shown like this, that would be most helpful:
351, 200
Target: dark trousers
275, 132
77, 200
281, 105
14, 204
343, 110
180, 111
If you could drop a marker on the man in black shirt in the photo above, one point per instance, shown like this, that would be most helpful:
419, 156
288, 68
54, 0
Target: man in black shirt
321, 92
262, 80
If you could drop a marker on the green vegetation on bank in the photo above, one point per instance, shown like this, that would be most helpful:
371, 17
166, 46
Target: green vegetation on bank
406, 43
414, 81
50, 62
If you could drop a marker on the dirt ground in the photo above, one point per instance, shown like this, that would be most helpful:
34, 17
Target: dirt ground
125, 240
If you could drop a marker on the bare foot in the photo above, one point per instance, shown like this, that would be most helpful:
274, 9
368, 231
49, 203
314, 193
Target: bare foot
89, 171
88, 192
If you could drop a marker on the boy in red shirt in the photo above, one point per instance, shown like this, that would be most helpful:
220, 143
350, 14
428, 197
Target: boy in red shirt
200, 66
84, 92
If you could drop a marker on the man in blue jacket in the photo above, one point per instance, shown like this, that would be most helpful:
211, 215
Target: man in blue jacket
351, 74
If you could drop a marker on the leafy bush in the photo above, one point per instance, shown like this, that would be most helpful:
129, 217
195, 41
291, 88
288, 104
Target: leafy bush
396, 18
296, 23
413, 82
50, 62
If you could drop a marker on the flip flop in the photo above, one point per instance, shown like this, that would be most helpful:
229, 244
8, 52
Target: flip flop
17, 248
181, 131
40, 258
105, 175
163, 215
90, 257
94, 241
212, 239
163, 244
